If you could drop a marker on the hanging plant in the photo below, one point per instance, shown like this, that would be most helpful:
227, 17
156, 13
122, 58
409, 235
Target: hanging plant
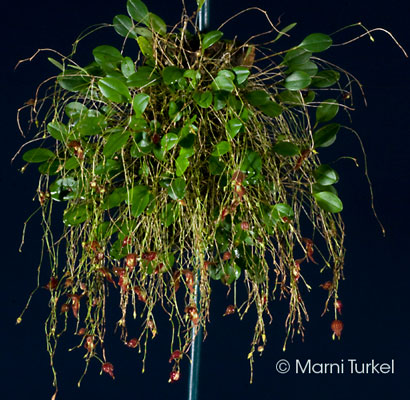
195, 160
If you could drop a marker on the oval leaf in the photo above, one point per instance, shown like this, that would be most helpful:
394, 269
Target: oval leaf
140, 103
325, 175
38, 155
221, 148
316, 42
211, 38
145, 46
169, 141
286, 149
204, 99
124, 27
113, 89
172, 74
115, 142
325, 136
328, 201
327, 110
75, 215
233, 126
138, 10
325, 78
57, 130
298, 80
176, 189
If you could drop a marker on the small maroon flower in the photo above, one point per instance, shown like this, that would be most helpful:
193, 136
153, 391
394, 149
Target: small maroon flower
108, 368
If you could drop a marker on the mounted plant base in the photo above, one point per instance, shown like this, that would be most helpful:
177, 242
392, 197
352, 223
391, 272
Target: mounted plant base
187, 162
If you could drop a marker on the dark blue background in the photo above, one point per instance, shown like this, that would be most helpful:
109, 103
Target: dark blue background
375, 293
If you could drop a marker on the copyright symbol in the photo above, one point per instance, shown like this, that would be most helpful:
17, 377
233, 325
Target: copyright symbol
283, 366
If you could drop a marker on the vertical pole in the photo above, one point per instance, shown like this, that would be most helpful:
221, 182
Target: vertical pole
196, 332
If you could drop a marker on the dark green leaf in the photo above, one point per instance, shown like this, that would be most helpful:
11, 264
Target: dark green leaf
116, 141
286, 149
309, 67
50, 167
124, 26
157, 24
203, 99
58, 130
221, 148
76, 110
88, 126
108, 57
296, 57
172, 74
73, 81
258, 97
280, 211
115, 198
298, 80
325, 78
326, 135
140, 103
271, 109
328, 201
64, 189
75, 215
316, 188
138, 198
252, 164
127, 67
215, 272
187, 141
71, 163
223, 83
327, 110
216, 167
138, 10
181, 164
115, 90
38, 155
233, 126
325, 175
107, 166
144, 77
232, 272
220, 99
177, 189
170, 214
241, 73
169, 141
316, 42
211, 38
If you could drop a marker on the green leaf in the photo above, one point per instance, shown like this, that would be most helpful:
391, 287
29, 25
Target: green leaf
38, 155
187, 141
271, 109
327, 110
71, 163
64, 189
316, 42
281, 210
107, 166
309, 67
258, 97
58, 130
115, 198
252, 163
233, 126
89, 125
127, 67
325, 175
220, 99
223, 83
325, 78
296, 57
241, 73
75, 215
76, 110
221, 148
210, 39
113, 89
216, 167
140, 103
138, 198
169, 141
177, 189
144, 77
326, 135
124, 26
138, 10
50, 167
181, 164
172, 74
56, 63
298, 80
286, 149
284, 30
203, 99
328, 201
316, 188
145, 46
108, 57
73, 81
170, 214
232, 272
157, 24
116, 141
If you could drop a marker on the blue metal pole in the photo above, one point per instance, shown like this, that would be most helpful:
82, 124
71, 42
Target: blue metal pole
196, 332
